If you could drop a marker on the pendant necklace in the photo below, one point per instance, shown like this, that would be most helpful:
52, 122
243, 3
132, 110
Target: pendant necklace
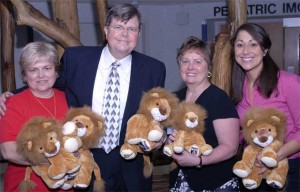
46, 107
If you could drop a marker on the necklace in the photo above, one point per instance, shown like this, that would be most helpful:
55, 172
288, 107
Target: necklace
46, 107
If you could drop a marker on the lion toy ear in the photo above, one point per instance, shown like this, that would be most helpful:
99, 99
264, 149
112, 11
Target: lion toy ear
154, 94
46, 125
275, 118
29, 145
249, 123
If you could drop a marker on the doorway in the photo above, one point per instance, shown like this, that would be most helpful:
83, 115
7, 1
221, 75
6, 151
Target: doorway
292, 49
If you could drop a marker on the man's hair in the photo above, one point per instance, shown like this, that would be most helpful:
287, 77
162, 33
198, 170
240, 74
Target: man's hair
122, 12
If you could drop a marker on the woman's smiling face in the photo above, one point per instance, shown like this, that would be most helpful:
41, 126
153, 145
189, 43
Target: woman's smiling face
248, 53
193, 67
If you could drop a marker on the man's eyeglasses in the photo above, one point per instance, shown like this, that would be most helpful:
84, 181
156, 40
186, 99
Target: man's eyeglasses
120, 28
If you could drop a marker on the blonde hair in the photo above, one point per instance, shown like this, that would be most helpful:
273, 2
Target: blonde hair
36, 52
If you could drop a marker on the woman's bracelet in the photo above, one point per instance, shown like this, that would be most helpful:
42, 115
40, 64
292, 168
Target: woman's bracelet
200, 163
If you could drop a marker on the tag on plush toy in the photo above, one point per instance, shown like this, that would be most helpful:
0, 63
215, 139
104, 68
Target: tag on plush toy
144, 145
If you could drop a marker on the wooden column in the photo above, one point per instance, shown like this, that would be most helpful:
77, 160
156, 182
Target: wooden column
222, 49
237, 14
7, 46
66, 16
102, 11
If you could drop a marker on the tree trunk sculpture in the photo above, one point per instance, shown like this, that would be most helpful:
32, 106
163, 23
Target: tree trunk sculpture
222, 50
28, 15
102, 10
66, 16
7, 47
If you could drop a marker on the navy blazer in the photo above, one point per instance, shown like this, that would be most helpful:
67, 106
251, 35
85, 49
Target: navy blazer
79, 67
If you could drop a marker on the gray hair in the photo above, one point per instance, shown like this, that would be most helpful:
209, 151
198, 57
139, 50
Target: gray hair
123, 12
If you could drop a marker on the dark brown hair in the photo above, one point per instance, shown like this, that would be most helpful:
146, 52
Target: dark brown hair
268, 78
193, 42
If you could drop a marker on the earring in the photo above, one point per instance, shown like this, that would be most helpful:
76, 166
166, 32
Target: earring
209, 74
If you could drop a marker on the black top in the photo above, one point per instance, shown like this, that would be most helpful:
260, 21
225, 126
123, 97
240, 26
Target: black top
218, 106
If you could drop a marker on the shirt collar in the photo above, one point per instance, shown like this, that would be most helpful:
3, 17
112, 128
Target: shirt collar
109, 59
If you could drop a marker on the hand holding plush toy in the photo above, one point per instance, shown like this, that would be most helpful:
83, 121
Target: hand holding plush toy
146, 127
263, 130
189, 121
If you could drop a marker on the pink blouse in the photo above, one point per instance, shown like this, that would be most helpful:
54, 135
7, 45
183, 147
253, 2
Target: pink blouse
287, 100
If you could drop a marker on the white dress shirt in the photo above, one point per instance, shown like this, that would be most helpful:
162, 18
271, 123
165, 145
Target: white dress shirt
104, 68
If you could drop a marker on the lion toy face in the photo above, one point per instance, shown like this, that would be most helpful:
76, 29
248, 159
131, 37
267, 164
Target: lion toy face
85, 124
36, 142
158, 104
190, 117
263, 126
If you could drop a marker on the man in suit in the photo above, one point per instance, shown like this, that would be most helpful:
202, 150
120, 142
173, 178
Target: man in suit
84, 74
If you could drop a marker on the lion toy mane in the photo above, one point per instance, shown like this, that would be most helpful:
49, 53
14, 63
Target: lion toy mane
189, 121
40, 143
263, 131
146, 127
82, 130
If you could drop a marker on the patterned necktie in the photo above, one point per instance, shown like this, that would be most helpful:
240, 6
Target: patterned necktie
111, 109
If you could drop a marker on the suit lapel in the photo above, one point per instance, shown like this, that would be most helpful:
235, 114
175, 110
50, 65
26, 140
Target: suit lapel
134, 92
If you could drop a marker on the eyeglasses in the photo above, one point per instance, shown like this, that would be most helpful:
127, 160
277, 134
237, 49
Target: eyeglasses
120, 28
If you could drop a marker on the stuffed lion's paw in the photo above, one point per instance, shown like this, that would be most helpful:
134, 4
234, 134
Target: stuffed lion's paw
241, 169
269, 158
156, 131
155, 135
275, 184
269, 162
250, 184
128, 151
206, 149
168, 150
178, 149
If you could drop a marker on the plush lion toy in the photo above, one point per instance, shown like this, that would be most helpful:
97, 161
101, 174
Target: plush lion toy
40, 143
263, 130
146, 127
189, 121
82, 130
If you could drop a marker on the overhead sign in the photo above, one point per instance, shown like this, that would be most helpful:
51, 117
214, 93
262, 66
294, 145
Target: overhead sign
267, 8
